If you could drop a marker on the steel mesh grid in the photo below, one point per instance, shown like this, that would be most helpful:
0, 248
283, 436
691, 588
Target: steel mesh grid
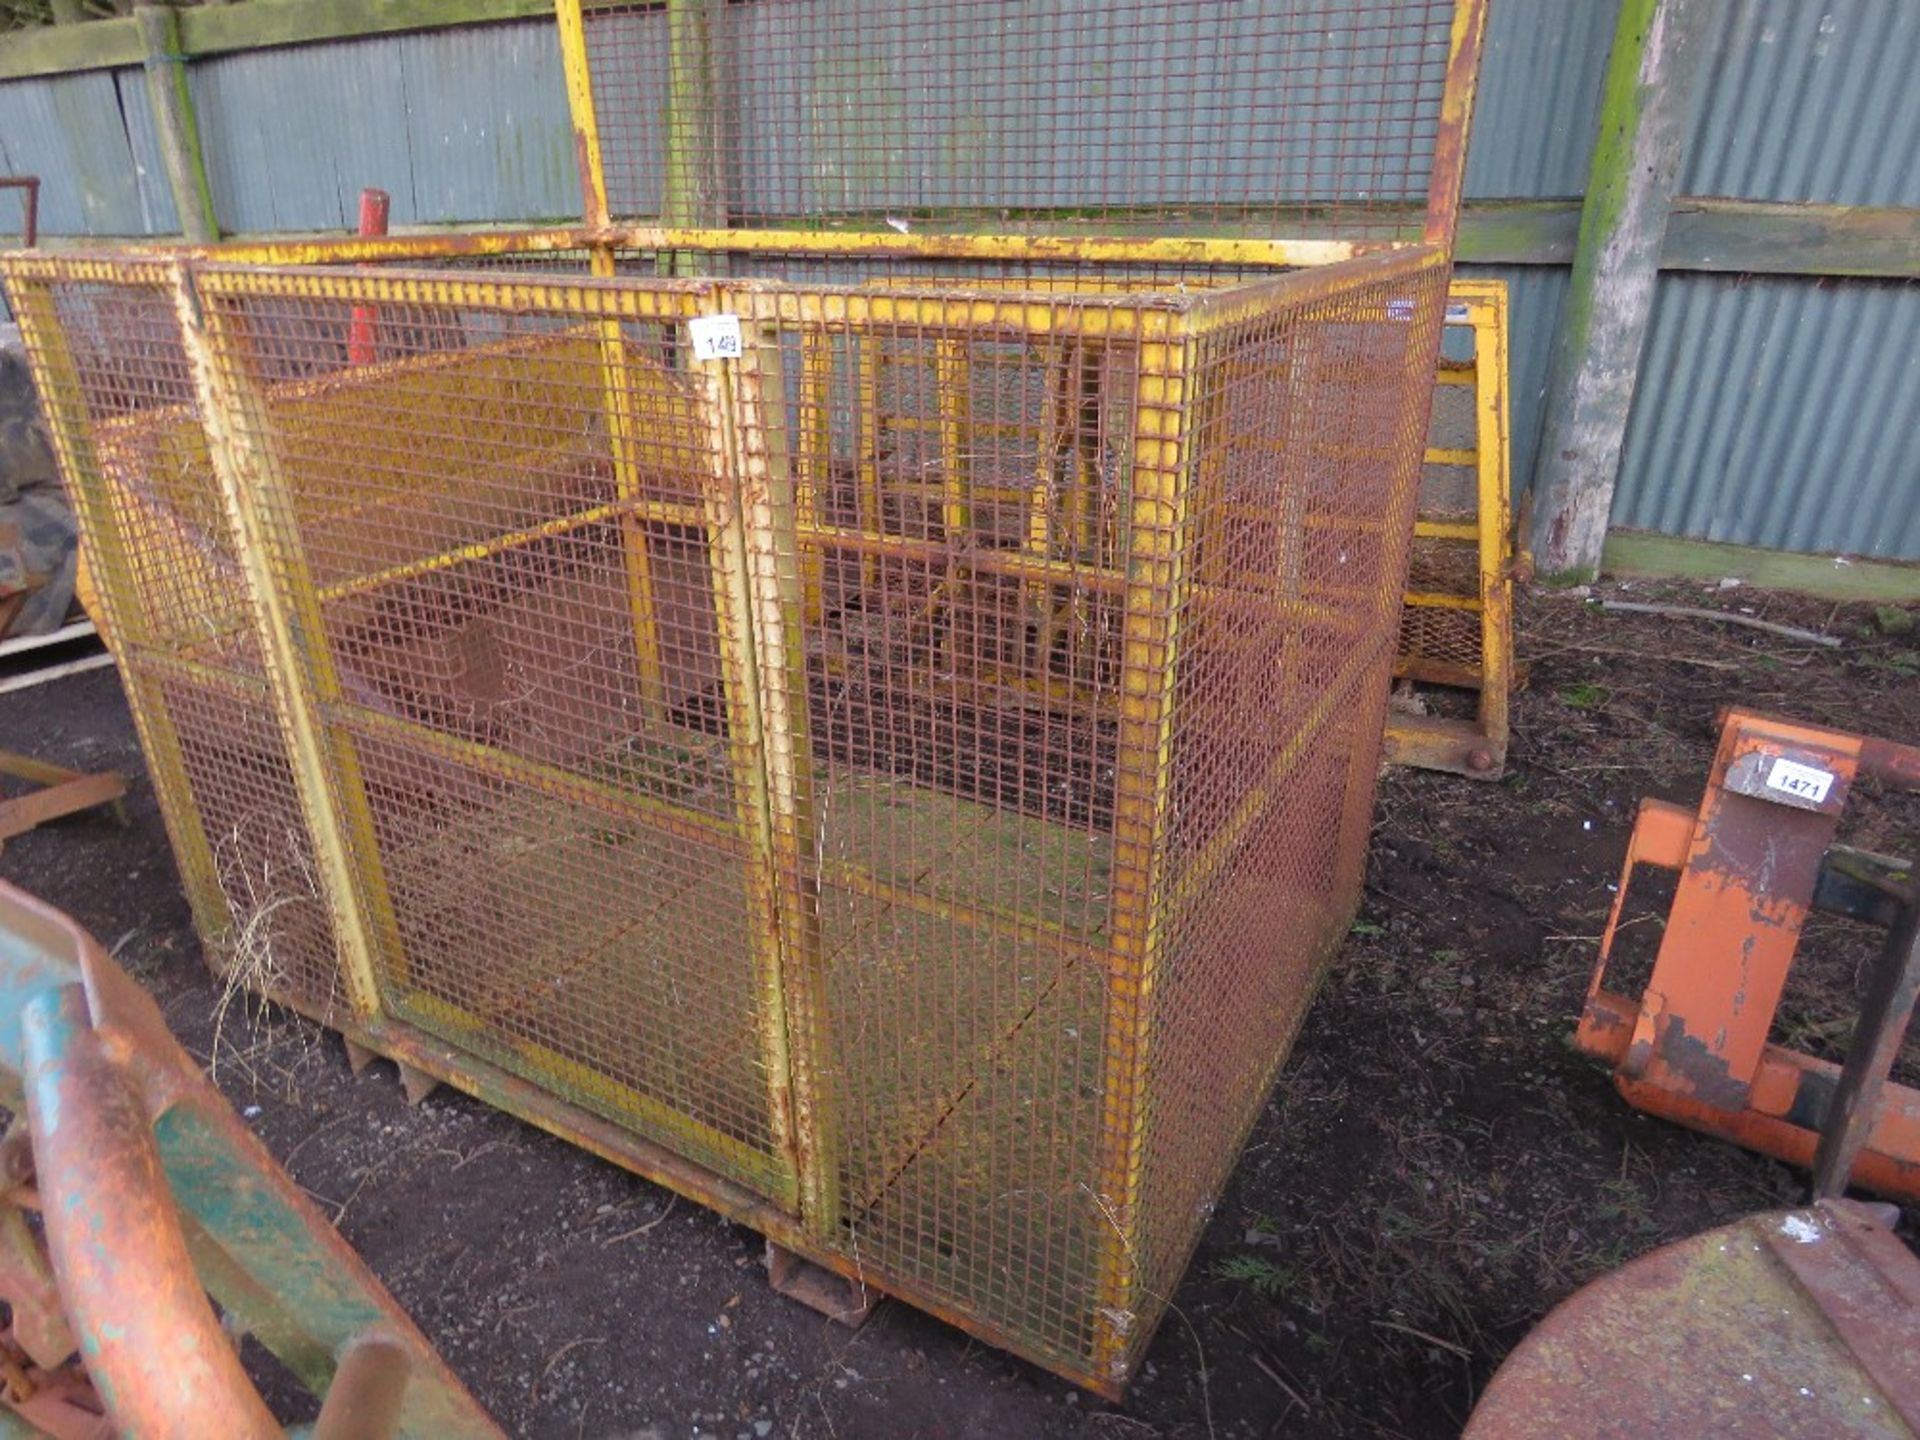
1306, 446
112, 366
958, 552
175, 569
969, 481
1149, 116
279, 939
522, 669
1441, 630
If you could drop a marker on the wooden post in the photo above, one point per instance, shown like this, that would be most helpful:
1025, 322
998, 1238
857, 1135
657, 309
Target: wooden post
174, 124
1644, 119
694, 196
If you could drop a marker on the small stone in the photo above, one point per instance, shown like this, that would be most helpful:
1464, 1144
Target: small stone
763, 1427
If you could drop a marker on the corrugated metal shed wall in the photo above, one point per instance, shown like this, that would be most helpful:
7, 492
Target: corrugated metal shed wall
1779, 412
1785, 412
1810, 100
90, 138
460, 125
1539, 98
1776, 412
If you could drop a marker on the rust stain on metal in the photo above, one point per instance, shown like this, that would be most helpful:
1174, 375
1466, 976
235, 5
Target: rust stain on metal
29, 186
1702, 1072
1790, 1323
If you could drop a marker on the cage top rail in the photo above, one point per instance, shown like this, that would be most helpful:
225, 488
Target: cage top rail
1162, 253
1240, 131
1146, 304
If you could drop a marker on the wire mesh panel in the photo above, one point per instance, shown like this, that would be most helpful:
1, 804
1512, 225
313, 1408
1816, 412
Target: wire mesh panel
956, 549
1048, 564
1204, 117
499, 532
1305, 448
119, 398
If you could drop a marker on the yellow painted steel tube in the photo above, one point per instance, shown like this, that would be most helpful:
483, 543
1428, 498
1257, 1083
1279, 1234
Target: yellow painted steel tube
586, 121
1449, 166
1154, 606
261, 509
751, 745
617, 395
794, 996
1495, 518
813, 474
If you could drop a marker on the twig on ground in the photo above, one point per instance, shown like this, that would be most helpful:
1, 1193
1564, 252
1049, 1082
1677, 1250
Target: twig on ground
1431, 1339
1274, 1375
1699, 660
672, 1200
559, 1355
1696, 612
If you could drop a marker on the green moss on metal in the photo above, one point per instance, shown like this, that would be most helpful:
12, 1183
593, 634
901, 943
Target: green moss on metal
1639, 553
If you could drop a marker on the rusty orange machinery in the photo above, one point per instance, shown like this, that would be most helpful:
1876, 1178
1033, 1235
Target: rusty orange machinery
146, 1194
1753, 862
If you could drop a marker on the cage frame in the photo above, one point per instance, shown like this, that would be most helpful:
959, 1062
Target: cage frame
792, 1209
1475, 748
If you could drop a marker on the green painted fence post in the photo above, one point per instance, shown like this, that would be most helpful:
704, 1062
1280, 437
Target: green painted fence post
1644, 120
174, 124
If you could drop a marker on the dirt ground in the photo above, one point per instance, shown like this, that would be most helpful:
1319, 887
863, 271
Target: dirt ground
1436, 1169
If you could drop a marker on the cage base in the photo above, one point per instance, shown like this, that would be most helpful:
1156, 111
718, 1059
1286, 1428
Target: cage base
1434, 742
414, 1049
838, 1297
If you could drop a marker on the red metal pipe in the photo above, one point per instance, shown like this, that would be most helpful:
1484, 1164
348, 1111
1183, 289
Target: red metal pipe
374, 208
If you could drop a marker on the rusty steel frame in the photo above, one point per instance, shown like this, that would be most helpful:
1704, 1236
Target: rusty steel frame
763, 518
1753, 861
681, 232
1475, 748
152, 1195
603, 235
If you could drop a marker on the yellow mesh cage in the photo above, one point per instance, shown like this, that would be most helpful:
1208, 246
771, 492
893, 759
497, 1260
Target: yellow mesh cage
875, 729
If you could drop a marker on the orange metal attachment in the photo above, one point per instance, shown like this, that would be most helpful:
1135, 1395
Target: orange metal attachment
1755, 860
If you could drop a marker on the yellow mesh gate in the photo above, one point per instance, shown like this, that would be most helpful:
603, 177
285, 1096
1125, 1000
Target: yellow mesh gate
873, 728
1456, 634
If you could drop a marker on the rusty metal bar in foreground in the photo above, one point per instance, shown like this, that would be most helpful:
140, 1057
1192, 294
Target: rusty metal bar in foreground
153, 1195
